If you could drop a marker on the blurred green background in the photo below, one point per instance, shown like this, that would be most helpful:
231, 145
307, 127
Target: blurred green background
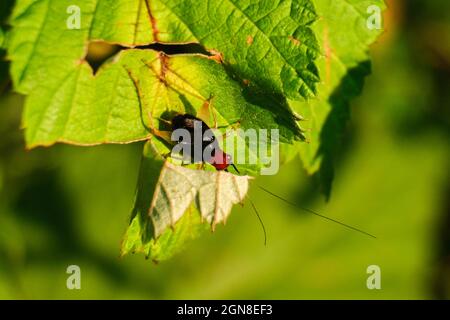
70, 205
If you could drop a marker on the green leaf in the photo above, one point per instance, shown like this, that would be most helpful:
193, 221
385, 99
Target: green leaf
47, 56
169, 243
67, 103
344, 39
269, 43
116, 105
172, 202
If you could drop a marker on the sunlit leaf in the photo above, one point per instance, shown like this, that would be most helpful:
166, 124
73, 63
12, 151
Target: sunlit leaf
257, 61
344, 39
173, 201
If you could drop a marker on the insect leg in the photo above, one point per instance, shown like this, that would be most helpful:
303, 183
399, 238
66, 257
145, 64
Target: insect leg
205, 113
165, 135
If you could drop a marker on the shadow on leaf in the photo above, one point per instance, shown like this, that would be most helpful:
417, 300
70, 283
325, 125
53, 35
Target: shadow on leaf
333, 130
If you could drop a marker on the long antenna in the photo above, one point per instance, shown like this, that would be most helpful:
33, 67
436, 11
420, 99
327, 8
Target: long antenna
317, 214
260, 221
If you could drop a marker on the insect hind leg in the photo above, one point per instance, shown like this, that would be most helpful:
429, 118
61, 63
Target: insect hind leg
206, 111
165, 135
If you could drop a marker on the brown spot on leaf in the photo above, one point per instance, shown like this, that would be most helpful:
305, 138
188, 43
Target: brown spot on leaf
246, 82
153, 22
295, 41
164, 59
249, 40
216, 56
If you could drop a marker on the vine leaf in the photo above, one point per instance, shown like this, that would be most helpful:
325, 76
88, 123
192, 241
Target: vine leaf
269, 43
108, 108
67, 103
344, 39
172, 202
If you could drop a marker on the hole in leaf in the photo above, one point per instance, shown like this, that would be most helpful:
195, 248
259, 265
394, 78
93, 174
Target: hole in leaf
190, 48
99, 52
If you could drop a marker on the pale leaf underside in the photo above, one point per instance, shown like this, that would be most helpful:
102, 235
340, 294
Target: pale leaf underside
175, 202
215, 192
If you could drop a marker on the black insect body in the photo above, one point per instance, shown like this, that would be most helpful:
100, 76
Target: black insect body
210, 149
